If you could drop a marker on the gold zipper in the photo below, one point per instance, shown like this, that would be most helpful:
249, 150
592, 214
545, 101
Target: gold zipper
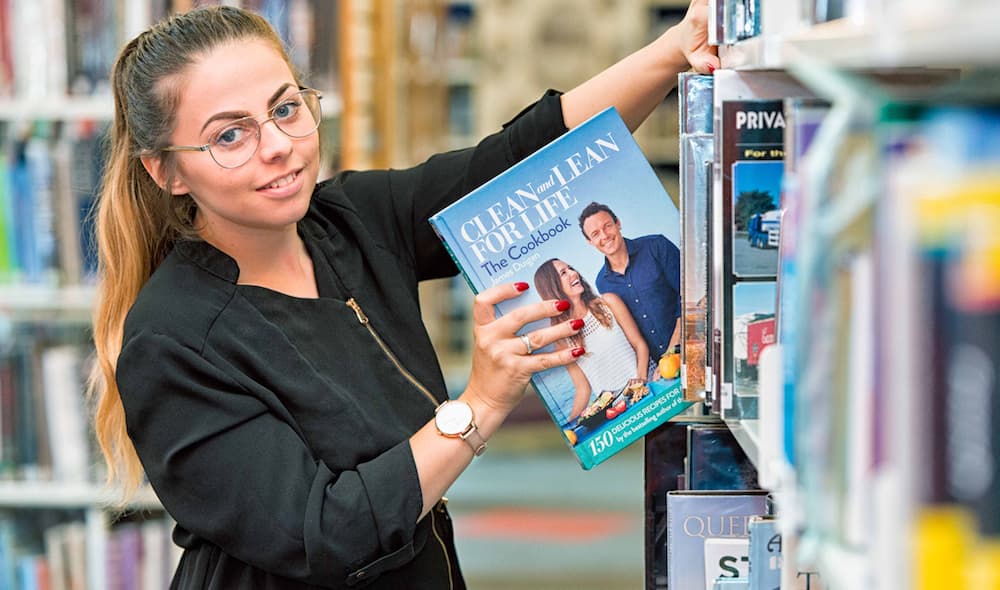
363, 319
444, 549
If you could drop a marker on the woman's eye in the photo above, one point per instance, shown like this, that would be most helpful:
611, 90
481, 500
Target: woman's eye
230, 136
286, 110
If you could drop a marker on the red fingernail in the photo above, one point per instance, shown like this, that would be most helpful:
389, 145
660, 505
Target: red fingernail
711, 68
562, 305
578, 352
521, 286
576, 324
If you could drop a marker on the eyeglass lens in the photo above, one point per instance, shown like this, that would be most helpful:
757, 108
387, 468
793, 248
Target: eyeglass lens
297, 115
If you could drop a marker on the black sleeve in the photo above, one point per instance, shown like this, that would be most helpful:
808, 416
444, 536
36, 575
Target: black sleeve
409, 197
273, 505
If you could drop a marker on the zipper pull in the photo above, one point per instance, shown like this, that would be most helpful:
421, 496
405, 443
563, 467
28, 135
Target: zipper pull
358, 311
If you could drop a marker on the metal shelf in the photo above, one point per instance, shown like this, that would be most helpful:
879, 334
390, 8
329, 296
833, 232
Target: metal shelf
39, 302
916, 38
53, 494
62, 109
747, 433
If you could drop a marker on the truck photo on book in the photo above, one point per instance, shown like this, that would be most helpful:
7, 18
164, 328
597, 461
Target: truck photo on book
585, 219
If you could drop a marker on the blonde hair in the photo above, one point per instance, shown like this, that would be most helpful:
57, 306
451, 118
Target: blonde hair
137, 221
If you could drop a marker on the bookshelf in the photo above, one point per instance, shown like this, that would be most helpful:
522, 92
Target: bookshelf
55, 106
870, 466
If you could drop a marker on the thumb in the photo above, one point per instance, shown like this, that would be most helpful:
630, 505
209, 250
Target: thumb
705, 61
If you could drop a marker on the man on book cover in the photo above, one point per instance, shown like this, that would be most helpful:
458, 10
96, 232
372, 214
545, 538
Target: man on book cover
645, 272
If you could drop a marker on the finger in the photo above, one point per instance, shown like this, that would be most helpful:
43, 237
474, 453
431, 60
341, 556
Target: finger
518, 317
547, 360
705, 62
545, 336
483, 306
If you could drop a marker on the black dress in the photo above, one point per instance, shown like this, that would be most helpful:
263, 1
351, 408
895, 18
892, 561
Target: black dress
275, 430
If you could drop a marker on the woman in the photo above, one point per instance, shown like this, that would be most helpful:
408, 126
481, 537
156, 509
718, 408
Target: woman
261, 356
617, 354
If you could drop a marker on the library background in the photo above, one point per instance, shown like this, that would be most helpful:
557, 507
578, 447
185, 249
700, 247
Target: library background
839, 185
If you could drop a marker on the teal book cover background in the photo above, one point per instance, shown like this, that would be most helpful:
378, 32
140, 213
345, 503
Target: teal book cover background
507, 229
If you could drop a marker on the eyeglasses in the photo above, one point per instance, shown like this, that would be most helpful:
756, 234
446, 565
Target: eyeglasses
297, 115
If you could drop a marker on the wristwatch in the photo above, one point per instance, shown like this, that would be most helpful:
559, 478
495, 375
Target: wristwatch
454, 419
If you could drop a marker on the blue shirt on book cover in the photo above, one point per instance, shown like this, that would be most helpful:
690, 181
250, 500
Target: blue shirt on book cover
650, 287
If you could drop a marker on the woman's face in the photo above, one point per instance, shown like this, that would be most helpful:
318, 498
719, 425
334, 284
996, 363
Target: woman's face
271, 192
569, 279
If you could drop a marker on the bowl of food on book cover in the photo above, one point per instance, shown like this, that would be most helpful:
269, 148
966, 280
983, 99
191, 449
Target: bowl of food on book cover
610, 405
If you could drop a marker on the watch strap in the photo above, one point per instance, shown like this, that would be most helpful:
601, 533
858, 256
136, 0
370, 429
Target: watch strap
475, 440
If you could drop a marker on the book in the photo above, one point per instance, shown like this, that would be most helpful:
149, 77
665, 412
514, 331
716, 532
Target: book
751, 150
748, 263
696, 155
752, 167
531, 223
726, 559
66, 418
716, 461
765, 554
695, 516
803, 118
663, 468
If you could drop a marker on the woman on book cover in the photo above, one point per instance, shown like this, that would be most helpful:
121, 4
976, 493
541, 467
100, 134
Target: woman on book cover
261, 355
616, 353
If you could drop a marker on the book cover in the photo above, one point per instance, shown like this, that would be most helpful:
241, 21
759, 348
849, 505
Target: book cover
696, 155
663, 468
803, 117
733, 131
959, 283
726, 559
765, 554
716, 461
750, 147
561, 220
752, 166
693, 517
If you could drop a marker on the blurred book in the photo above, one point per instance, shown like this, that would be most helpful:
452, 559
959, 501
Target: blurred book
693, 517
716, 461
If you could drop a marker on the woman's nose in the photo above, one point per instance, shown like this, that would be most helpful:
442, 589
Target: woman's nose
274, 143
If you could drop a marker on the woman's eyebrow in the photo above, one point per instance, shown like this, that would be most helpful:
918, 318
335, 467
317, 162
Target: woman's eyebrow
240, 114
274, 97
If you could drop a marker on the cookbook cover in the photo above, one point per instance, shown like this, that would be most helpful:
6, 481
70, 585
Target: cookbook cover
585, 219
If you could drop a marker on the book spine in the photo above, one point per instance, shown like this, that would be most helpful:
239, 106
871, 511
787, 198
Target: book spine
447, 238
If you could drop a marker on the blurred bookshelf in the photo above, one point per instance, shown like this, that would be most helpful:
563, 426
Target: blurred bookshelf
859, 414
58, 521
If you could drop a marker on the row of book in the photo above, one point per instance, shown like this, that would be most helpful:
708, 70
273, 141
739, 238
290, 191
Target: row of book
857, 234
711, 524
50, 550
49, 174
44, 417
732, 169
732, 21
58, 48
894, 334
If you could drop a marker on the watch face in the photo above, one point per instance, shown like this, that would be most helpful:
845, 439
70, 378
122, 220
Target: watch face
454, 418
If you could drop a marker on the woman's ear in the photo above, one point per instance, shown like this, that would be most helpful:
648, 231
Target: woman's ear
154, 166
